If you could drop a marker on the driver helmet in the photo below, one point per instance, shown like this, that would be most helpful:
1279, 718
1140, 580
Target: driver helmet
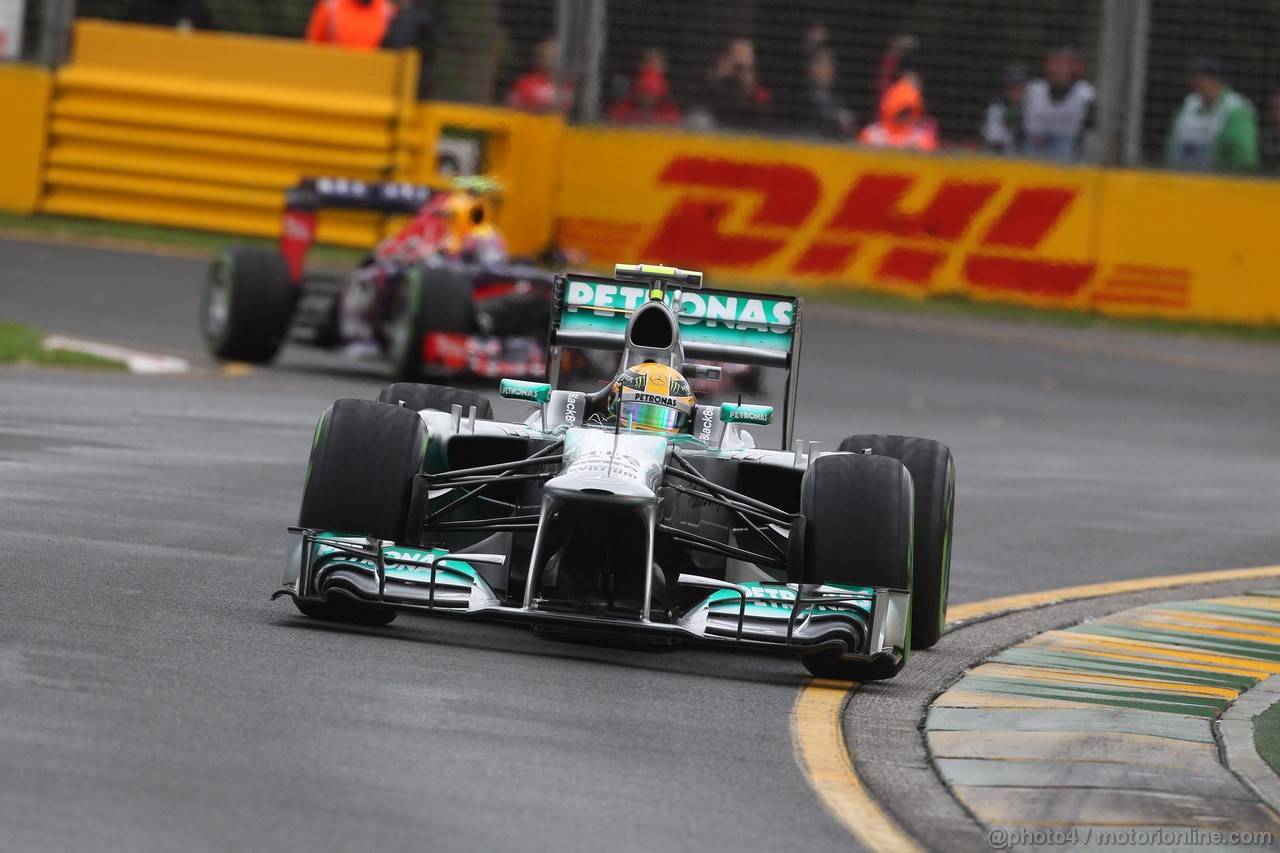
652, 397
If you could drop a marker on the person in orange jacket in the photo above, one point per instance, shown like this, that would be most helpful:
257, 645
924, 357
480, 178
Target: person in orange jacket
903, 122
354, 24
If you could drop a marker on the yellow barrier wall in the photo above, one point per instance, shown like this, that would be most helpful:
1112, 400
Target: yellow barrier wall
770, 212
24, 92
206, 130
1184, 245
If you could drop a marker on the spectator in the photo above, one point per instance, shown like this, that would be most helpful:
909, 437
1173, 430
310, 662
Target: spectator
649, 100
416, 28
817, 36
1002, 128
1057, 109
183, 14
1216, 129
538, 91
353, 24
894, 60
736, 98
824, 112
903, 122
1271, 141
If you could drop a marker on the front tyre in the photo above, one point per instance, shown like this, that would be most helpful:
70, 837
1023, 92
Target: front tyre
359, 480
858, 519
246, 305
933, 472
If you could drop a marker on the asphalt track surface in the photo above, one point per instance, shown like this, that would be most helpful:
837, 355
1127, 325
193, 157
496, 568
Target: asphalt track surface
152, 698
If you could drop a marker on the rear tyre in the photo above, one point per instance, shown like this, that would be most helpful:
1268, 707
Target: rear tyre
246, 305
858, 516
933, 473
427, 300
359, 480
420, 395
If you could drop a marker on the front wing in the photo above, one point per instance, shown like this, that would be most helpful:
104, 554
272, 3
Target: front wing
859, 623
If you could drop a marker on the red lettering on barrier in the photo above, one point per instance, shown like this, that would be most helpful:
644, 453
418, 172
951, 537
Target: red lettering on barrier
1030, 276
1029, 217
825, 258
690, 234
913, 266
873, 205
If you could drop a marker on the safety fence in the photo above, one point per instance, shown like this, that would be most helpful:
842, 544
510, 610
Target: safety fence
178, 128
1096, 81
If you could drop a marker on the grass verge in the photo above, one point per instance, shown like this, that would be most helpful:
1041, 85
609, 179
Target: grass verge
21, 344
1266, 736
70, 227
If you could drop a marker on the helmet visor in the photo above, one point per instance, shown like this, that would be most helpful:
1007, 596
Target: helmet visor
651, 417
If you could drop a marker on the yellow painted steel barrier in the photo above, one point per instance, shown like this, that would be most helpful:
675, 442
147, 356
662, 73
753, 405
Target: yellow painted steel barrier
1189, 246
24, 92
206, 130
751, 209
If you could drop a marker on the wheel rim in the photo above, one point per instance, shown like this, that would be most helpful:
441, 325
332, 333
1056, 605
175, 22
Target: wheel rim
217, 304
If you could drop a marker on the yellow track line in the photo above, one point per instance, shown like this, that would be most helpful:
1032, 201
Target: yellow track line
817, 719
1009, 603
817, 728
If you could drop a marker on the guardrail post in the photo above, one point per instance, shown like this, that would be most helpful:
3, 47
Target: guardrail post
55, 38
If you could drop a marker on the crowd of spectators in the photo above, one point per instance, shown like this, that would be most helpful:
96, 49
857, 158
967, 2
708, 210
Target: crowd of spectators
1049, 116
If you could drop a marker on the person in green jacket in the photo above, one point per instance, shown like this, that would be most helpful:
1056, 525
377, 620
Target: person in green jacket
1216, 129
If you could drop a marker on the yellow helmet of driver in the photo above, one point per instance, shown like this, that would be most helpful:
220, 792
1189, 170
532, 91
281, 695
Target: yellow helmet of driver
652, 397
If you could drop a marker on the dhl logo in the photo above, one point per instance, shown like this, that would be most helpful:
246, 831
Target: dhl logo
872, 206
744, 215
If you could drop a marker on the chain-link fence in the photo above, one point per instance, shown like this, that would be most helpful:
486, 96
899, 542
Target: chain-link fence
1067, 80
1206, 46
475, 50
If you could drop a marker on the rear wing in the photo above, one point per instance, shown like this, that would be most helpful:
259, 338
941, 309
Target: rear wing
737, 327
304, 201
308, 197
391, 197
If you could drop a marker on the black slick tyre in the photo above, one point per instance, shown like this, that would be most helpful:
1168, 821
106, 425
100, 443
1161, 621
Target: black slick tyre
858, 518
427, 300
933, 472
359, 480
246, 305
421, 395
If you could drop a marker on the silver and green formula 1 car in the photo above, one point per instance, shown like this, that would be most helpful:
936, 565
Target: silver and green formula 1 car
577, 522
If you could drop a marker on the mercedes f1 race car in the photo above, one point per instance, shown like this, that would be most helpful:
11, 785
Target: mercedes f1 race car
634, 511
441, 298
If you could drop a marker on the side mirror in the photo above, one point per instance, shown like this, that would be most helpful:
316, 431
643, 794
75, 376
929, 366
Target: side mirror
737, 413
530, 392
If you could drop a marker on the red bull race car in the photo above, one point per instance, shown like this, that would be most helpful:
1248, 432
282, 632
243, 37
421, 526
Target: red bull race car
441, 298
